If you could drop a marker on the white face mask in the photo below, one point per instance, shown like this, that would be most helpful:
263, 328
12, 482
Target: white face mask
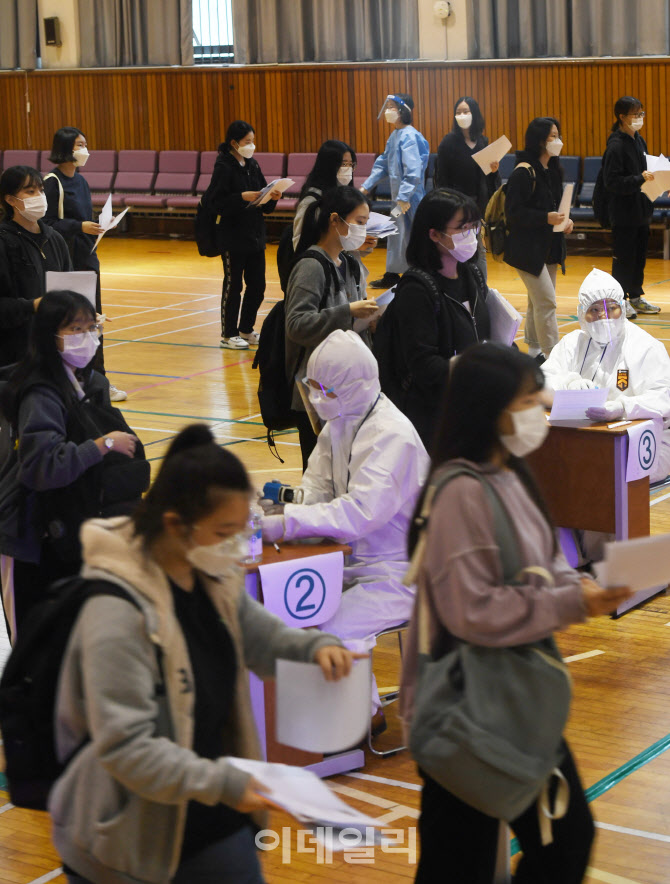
355, 238
344, 175
638, 123
79, 349
81, 156
464, 120
34, 207
218, 558
464, 246
606, 331
554, 147
391, 115
530, 430
246, 150
327, 409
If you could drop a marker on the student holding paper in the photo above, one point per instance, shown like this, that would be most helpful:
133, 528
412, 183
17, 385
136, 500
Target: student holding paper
28, 249
532, 246
154, 686
70, 212
630, 210
455, 166
610, 352
236, 182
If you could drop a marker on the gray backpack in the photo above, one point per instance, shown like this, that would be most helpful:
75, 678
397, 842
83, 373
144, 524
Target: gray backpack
488, 722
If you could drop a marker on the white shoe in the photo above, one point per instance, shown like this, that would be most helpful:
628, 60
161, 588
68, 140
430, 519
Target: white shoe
643, 306
234, 343
252, 338
117, 395
630, 312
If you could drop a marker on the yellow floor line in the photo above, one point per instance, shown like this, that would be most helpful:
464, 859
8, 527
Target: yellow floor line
608, 878
584, 656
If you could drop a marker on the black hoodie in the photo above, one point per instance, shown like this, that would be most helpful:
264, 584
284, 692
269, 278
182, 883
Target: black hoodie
624, 161
24, 260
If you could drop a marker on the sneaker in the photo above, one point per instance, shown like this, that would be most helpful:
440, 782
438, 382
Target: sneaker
630, 312
643, 306
117, 395
252, 338
387, 281
234, 343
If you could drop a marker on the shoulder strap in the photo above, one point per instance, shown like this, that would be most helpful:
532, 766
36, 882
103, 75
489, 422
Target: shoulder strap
475, 272
531, 171
332, 280
427, 280
61, 193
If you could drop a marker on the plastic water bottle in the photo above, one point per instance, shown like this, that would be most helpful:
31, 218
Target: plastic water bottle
255, 534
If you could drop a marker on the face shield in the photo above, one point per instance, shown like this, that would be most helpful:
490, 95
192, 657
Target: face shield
389, 106
601, 308
342, 377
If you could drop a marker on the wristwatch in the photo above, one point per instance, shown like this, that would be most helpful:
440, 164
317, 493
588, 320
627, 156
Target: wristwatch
109, 442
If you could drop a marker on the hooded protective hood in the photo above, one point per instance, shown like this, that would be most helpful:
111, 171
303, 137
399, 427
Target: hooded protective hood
342, 363
598, 286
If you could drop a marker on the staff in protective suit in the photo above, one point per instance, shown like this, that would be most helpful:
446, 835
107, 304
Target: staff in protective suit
404, 163
608, 351
360, 487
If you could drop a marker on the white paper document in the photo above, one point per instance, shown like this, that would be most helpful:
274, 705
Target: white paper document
564, 207
640, 563
318, 715
386, 297
381, 226
504, 317
571, 405
107, 220
660, 167
492, 153
278, 184
306, 797
83, 282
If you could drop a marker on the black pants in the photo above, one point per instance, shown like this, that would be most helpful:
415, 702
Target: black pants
629, 255
458, 843
236, 267
32, 581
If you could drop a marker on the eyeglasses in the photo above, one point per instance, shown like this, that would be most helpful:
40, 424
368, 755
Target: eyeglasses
638, 116
348, 165
462, 232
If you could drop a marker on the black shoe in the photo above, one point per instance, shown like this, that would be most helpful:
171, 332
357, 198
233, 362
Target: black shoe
540, 358
385, 282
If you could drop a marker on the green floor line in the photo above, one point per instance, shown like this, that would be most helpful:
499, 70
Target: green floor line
196, 417
612, 779
161, 343
3, 781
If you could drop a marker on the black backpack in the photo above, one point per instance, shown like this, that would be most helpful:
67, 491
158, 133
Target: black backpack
275, 389
600, 201
204, 228
286, 254
28, 689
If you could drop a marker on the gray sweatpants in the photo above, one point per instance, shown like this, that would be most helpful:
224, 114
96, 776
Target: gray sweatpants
541, 326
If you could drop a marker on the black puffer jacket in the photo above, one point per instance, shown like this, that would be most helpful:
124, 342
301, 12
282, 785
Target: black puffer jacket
24, 261
624, 162
242, 228
531, 242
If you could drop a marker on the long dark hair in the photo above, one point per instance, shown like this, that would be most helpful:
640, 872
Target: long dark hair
537, 133
43, 362
434, 212
625, 105
195, 475
235, 132
342, 201
482, 383
63, 145
11, 182
324, 171
477, 125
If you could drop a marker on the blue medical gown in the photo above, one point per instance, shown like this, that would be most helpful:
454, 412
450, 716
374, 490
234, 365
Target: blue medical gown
404, 162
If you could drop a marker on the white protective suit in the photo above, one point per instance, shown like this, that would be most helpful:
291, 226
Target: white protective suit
404, 162
625, 354
361, 485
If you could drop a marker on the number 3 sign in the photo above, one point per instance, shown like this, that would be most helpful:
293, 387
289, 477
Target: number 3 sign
303, 592
643, 442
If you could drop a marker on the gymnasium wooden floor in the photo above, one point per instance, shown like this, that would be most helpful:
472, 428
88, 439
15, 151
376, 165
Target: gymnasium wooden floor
163, 348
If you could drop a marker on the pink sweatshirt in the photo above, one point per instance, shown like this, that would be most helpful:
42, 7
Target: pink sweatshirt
462, 575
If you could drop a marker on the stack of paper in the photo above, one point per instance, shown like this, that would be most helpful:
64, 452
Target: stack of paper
380, 226
564, 207
492, 153
572, 405
660, 167
640, 563
278, 184
505, 319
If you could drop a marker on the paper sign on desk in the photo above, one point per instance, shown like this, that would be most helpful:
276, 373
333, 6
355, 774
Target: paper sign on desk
303, 592
107, 221
318, 715
639, 563
564, 207
643, 443
571, 405
492, 153
84, 282
504, 318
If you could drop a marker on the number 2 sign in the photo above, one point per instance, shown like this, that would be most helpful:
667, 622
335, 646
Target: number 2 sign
303, 592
